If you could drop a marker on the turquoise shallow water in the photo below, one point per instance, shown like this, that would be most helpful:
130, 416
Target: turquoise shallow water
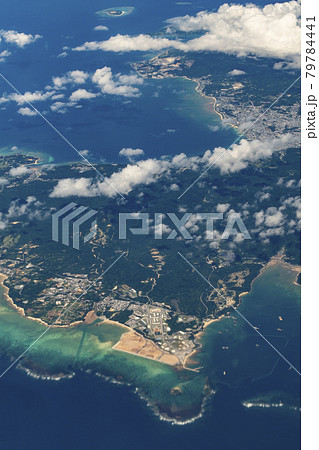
232, 354
88, 412
63, 351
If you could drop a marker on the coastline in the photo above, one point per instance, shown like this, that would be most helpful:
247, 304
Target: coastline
45, 158
19, 309
130, 331
275, 260
22, 313
146, 348
198, 89
279, 259
199, 345
90, 318
41, 157
162, 414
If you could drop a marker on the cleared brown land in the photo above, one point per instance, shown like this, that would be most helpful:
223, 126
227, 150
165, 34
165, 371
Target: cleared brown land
135, 344
90, 317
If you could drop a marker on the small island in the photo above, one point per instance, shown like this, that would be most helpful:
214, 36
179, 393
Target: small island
116, 11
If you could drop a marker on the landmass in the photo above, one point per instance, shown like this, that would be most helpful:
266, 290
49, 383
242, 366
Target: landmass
240, 96
158, 305
151, 291
116, 11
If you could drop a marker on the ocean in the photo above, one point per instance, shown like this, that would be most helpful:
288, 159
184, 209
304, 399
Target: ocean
156, 122
90, 411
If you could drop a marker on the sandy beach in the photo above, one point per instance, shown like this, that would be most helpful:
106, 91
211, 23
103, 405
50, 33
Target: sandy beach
135, 344
198, 89
13, 305
90, 317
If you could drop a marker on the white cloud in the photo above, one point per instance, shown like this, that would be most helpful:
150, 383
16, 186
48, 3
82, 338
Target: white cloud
182, 161
19, 39
80, 187
246, 152
26, 112
75, 97
30, 207
118, 85
272, 222
84, 152
174, 187
293, 202
222, 207
161, 228
17, 208
59, 107
148, 171
57, 96
4, 54
292, 184
72, 77
28, 97
126, 43
3, 222
82, 94
263, 196
142, 173
287, 65
130, 80
272, 31
131, 153
265, 234
273, 217
100, 28
124, 181
19, 171
236, 73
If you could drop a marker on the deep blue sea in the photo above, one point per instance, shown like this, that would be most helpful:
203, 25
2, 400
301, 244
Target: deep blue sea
90, 412
108, 124
87, 412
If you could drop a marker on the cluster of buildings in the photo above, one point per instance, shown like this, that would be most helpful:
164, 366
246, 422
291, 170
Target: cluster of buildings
152, 321
161, 67
46, 298
277, 121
